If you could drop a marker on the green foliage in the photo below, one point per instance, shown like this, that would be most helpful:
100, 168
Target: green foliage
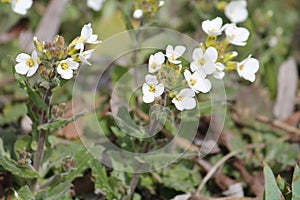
296, 184
272, 191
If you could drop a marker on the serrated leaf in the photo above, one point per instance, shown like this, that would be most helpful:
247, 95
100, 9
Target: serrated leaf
272, 191
22, 144
25, 193
296, 184
58, 124
110, 185
13, 167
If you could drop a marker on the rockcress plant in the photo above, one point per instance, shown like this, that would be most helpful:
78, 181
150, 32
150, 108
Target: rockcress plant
210, 58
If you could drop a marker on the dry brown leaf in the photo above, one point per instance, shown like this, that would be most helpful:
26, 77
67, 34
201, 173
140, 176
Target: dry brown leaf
286, 90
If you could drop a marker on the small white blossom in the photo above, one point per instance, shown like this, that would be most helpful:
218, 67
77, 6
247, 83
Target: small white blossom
236, 35
213, 27
197, 82
155, 62
137, 14
152, 89
66, 67
247, 68
174, 53
185, 100
236, 11
85, 56
27, 64
21, 6
95, 4
219, 72
204, 62
161, 3
87, 37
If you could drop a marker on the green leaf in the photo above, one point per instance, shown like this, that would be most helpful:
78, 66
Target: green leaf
13, 167
33, 95
296, 184
41, 195
58, 124
25, 193
59, 191
22, 144
272, 191
110, 185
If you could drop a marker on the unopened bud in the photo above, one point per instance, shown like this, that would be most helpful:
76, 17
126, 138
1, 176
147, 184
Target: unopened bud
59, 41
47, 54
38, 45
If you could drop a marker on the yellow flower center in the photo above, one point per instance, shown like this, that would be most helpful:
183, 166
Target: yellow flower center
30, 62
214, 30
233, 36
154, 64
152, 88
241, 67
193, 82
64, 66
202, 61
179, 98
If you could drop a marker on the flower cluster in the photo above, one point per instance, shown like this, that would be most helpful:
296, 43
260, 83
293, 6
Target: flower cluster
54, 59
19, 6
210, 58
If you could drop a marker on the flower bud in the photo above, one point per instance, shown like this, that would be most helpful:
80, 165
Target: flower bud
39, 46
47, 54
59, 41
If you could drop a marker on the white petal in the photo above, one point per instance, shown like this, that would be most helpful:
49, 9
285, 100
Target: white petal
160, 57
189, 103
197, 54
86, 31
242, 34
177, 104
32, 70
72, 64
22, 57
151, 79
179, 50
187, 75
209, 67
212, 53
159, 90
176, 62
148, 98
21, 68
203, 86
169, 50
249, 76
251, 65
186, 92
219, 74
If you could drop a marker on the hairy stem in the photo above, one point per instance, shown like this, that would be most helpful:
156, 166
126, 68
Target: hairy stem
42, 134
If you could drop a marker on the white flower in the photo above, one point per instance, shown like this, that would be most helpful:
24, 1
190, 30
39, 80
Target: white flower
21, 6
66, 67
204, 62
85, 55
87, 36
197, 82
155, 62
213, 27
137, 14
174, 54
236, 35
185, 100
27, 64
247, 68
161, 3
95, 4
152, 89
236, 11
219, 72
